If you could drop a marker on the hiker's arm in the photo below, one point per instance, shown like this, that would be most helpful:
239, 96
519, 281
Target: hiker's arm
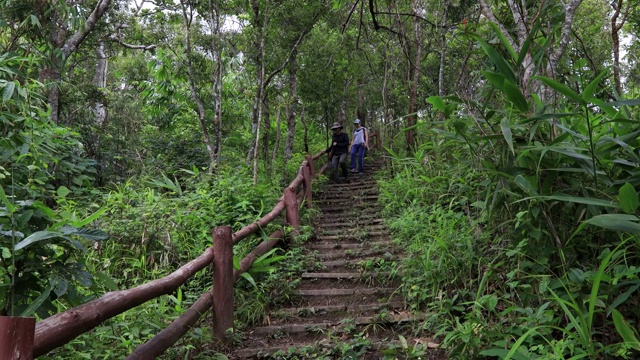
366, 138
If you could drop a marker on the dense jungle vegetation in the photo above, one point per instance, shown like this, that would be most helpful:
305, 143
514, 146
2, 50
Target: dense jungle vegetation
131, 128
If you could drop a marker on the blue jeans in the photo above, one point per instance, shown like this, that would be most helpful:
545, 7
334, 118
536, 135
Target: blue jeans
357, 150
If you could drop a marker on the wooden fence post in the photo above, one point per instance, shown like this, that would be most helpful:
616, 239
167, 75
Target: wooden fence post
222, 283
291, 206
306, 173
16, 337
312, 170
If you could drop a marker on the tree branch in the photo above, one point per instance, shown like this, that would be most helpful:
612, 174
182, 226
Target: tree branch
74, 41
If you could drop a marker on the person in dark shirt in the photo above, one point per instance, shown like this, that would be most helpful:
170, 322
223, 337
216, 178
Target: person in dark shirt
338, 151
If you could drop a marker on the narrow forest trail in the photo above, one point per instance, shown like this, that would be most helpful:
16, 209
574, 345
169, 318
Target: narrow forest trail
347, 306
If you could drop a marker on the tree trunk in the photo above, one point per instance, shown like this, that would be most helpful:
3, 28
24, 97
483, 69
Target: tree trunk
276, 145
216, 75
443, 52
293, 105
258, 59
100, 82
615, 36
202, 116
260, 105
414, 75
67, 46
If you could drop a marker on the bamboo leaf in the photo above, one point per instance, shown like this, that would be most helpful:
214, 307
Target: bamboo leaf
506, 132
590, 89
615, 222
504, 41
578, 200
501, 65
625, 331
497, 80
563, 89
628, 198
631, 102
514, 95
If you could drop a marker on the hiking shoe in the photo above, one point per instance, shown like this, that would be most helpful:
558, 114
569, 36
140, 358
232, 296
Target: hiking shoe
354, 170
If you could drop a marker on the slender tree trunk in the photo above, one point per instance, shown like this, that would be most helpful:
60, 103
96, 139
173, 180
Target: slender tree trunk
52, 74
276, 145
293, 105
259, 43
216, 75
266, 133
615, 36
443, 53
415, 75
100, 82
260, 109
305, 136
187, 17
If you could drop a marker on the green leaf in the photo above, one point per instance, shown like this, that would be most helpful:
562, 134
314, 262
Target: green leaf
7, 91
563, 89
106, 280
437, 103
91, 218
525, 185
631, 102
6, 201
578, 200
628, 198
501, 65
616, 222
37, 236
590, 89
63, 191
33, 307
505, 41
516, 97
506, 132
92, 234
249, 278
625, 331
497, 80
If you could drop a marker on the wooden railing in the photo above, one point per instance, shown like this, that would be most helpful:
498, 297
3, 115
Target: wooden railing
61, 328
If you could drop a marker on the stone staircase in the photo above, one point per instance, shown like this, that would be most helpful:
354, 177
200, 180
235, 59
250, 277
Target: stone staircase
350, 303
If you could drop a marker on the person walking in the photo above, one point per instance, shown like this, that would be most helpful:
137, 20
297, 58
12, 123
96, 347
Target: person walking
358, 147
338, 151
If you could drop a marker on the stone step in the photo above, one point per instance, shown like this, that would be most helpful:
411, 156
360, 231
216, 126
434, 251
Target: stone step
343, 275
345, 292
338, 245
351, 228
367, 235
432, 348
351, 254
355, 221
354, 263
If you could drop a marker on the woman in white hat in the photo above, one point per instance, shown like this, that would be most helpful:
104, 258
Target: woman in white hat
359, 146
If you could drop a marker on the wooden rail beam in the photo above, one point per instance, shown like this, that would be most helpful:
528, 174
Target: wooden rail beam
222, 284
291, 206
306, 173
16, 337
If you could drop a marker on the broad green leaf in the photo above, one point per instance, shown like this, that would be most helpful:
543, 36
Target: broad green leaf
63, 191
631, 102
525, 185
628, 198
250, 279
91, 218
588, 91
579, 200
37, 236
437, 103
548, 116
625, 331
501, 65
514, 95
506, 132
6, 201
106, 280
497, 80
7, 91
92, 234
502, 354
505, 41
561, 88
615, 222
